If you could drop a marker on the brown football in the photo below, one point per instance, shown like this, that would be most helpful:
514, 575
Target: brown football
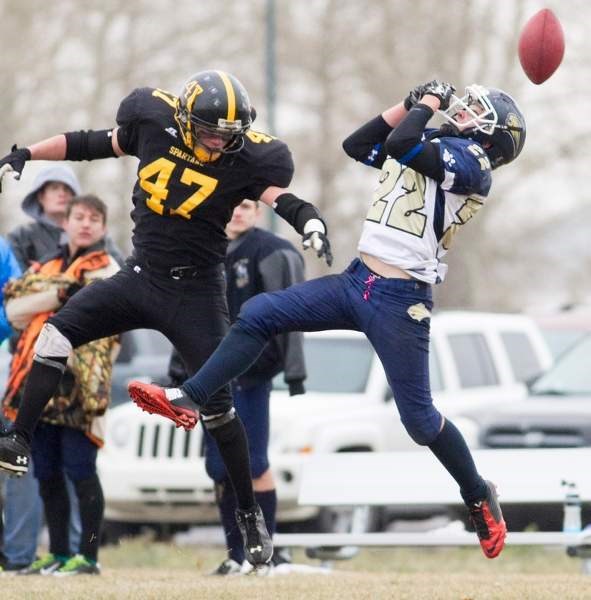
541, 46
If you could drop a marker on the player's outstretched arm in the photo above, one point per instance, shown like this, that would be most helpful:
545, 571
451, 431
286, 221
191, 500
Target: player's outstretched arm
76, 145
14, 162
365, 144
441, 90
53, 148
303, 216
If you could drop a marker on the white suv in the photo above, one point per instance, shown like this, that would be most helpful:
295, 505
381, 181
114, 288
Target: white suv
154, 473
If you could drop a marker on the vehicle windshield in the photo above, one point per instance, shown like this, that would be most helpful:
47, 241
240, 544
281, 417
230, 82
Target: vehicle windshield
335, 365
560, 341
571, 375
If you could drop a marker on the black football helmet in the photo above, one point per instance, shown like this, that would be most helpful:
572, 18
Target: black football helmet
216, 102
495, 122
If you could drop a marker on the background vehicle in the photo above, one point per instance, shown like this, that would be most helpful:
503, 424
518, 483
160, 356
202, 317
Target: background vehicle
154, 473
562, 329
556, 413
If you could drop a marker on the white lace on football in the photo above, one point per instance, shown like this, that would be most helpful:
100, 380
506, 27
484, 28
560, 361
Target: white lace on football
173, 393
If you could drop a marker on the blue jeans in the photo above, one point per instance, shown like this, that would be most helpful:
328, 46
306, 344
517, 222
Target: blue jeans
56, 449
252, 406
23, 518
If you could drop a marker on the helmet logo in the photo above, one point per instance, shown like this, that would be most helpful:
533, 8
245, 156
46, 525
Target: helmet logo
191, 91
515, 128
192, 87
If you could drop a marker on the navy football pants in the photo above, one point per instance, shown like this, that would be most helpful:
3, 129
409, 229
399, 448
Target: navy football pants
393, 313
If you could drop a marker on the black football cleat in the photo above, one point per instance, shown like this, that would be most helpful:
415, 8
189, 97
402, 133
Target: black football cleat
258, 547
487, 518
14, 453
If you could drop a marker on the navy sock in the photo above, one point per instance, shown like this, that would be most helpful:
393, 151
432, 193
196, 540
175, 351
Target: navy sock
267, 500
237, 351
453, 453
226, 501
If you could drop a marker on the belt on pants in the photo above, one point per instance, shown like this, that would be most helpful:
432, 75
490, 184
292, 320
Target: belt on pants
177, 272
184, 272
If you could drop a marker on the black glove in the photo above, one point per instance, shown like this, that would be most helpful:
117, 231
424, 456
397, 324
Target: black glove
66, 293
441, 90
414, 96
15, 161
320, 243
296, 387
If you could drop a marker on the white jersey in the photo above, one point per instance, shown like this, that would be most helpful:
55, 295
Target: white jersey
413, 219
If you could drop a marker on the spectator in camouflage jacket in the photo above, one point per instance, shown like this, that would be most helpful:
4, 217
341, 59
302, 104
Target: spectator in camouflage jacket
67, 438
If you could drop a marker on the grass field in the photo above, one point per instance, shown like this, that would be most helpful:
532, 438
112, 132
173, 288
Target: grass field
148, 570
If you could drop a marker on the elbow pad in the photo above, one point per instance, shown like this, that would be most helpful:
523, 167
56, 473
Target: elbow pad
88, 145
295, 211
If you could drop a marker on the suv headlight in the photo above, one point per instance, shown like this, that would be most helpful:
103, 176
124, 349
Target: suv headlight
119, 432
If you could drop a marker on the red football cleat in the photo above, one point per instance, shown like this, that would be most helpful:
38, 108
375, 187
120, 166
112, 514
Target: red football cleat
487, 518
171, 403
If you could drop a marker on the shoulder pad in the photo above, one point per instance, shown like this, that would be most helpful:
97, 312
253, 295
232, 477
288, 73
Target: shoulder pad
271, 156
143, 101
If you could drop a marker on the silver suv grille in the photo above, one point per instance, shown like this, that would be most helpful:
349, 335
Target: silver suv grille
166, 441
533, 437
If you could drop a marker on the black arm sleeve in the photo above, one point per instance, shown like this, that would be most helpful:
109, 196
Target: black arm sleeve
366, 143
88, 145
295, 211
405, 144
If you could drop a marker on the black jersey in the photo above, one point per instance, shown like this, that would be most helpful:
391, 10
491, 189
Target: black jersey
181, 206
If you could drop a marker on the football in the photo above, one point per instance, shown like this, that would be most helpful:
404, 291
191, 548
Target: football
541, 46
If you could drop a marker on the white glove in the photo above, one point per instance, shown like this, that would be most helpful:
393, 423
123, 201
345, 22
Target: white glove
315, 237
15, 161
313, 227
5, 169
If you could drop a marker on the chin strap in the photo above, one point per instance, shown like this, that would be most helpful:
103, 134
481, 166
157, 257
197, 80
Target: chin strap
204, 156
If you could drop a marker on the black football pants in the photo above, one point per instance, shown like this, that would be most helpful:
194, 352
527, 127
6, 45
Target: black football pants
192, 313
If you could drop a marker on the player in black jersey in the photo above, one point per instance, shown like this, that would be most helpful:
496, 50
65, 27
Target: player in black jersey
198, 159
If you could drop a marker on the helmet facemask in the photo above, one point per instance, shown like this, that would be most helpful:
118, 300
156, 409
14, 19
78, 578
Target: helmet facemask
193, 129
232, 135
476, 105
490, 117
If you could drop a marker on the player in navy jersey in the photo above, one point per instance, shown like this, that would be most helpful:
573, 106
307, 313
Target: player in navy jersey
198, 159
431, 183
